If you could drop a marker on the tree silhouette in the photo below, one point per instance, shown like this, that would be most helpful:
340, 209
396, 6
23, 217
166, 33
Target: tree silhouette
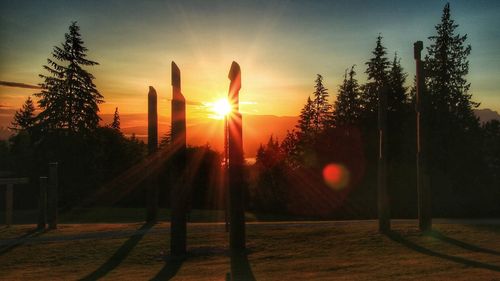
116, 120
305, 123
398, 98
69, 99
377, 71
348, 106
24, 118
321, 108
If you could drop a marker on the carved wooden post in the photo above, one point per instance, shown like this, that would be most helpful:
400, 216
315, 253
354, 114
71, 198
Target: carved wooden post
384, 220
178, 194
152, 189
52, 196
42, 203
235, 151
424, 200
9, 203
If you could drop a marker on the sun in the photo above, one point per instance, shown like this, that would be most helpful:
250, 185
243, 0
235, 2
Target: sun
220, 108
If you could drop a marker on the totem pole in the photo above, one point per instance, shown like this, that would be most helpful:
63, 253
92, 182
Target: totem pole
178, 194
384, 217
424, 200
235, 155
152, 189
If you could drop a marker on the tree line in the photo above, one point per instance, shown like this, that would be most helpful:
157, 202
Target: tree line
463, 155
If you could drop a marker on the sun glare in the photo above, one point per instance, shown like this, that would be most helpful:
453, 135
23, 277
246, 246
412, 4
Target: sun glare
220, 108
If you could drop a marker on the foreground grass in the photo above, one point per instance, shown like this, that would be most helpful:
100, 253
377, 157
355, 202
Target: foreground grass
277, 251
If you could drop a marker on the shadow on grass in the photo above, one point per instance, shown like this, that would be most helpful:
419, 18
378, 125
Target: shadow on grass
119, 255
396, 237
240, 268
169, 270
20, 240
438, 235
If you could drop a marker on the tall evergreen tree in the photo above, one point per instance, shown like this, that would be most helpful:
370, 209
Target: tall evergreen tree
24, 118
377, 71
116, 120
398, 97
446, 66
69, 99
348, 106
306, 118
322, 109
453, 140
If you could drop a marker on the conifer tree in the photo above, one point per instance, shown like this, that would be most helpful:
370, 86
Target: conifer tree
322, 109
377, 71
398, 96
116, 120
446, 66
69, 99
24, 118
306, 118
348, 106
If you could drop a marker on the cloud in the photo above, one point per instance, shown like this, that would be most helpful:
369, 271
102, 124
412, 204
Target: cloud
18, 85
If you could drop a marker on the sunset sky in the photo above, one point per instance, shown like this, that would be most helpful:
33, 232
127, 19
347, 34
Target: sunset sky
280, 45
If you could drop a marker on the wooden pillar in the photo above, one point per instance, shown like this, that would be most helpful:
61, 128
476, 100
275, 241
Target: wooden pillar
424, 199
42, 203
152, 188
384, 217
235, 155
52, 196
9, 203
178, 193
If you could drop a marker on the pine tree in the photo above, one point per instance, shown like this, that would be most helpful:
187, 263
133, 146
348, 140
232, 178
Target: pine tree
322, 109
446, 66
116, 120
377, 71
24, 118
348, 106
306, 118
398, 97
69, 99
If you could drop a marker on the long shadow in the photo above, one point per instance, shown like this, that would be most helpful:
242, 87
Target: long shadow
438, 235
169, 270
240, 267
403, 241
119, 255
20, 240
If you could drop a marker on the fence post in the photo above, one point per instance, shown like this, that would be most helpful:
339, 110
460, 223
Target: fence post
9, 203
52, 196
42, 203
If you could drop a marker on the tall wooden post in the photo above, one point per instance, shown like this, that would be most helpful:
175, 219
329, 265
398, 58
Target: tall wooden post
424, 200
9, 203
52, 196
42, 203
235, 151
152, 189
178, 194
384, 220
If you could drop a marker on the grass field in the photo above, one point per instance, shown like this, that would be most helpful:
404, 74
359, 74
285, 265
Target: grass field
343, 250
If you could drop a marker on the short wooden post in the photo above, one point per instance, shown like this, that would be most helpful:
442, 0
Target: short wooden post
9, 203
52, 196
42, 203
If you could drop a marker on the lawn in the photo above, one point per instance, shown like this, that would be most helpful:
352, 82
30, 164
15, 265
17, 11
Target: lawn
339, 250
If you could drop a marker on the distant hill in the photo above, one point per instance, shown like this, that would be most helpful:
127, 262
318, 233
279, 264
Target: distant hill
486, 114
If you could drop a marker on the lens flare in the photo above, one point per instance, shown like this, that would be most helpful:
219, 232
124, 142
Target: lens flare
221, 108
336, 176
